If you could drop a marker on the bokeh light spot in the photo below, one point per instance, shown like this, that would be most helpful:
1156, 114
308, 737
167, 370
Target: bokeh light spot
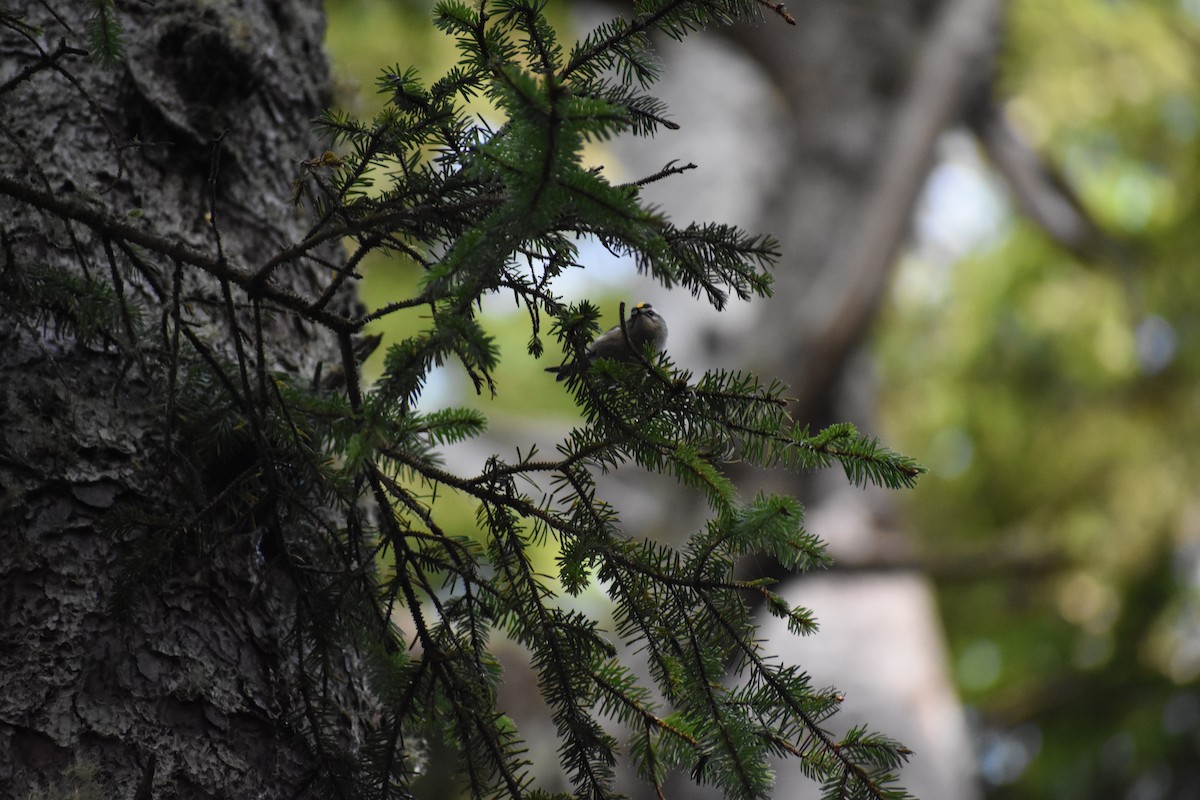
980, 665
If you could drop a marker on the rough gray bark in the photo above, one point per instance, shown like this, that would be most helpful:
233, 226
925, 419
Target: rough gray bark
188, 691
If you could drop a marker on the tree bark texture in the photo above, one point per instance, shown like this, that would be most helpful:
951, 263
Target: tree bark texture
182, 688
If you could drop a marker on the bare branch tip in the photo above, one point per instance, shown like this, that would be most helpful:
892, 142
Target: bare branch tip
781, 10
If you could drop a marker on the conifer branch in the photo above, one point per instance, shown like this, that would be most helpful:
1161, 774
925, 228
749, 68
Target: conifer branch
666, 172
47, 61
106, 225
851, 769
343, 477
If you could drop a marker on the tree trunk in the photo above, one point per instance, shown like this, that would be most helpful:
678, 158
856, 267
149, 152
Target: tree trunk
117, 679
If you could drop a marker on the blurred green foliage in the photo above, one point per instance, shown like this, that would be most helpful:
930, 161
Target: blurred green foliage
1056, 403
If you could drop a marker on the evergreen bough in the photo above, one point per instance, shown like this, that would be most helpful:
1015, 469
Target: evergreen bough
485, 209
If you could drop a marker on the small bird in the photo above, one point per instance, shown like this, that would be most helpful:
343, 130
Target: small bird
644, 325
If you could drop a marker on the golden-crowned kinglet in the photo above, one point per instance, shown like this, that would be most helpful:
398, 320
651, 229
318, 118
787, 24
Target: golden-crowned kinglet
643, 326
